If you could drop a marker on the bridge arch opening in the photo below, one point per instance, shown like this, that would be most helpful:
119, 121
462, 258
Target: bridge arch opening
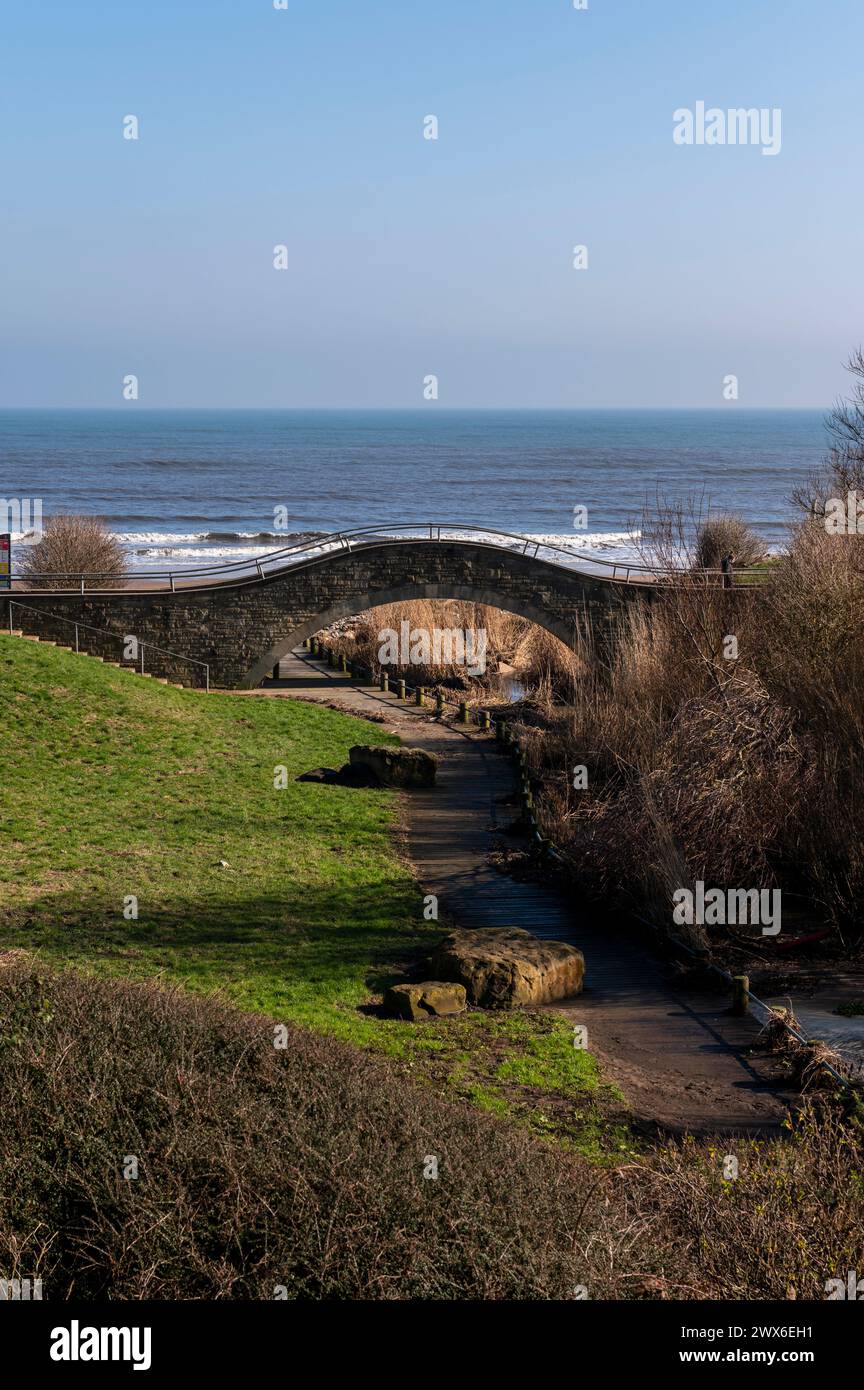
490, 630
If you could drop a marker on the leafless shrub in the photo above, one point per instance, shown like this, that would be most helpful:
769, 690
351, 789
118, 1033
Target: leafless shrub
810, 654
302, 1169
259, 1167
724, 535
788, 1223
73, 545
704, 767
545, 666
842, 470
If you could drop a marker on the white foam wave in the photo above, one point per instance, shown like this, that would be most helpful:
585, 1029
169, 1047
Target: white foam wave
580, 540
160, 538
176, 550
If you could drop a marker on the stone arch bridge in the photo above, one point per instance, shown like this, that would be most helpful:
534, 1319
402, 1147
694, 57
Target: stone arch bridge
241, 619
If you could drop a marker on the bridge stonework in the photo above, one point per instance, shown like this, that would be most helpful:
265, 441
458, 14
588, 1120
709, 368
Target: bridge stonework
242, 628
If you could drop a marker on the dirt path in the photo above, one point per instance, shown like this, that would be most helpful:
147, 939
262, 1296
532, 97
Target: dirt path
679, 1057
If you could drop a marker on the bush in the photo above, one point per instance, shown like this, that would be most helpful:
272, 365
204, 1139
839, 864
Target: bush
789, 1222
810, 654
259, 1167
70, 546
721, 535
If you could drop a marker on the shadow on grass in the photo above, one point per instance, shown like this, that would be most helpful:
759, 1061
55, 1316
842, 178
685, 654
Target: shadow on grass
328, 942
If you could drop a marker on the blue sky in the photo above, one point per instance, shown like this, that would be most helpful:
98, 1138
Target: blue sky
410, 257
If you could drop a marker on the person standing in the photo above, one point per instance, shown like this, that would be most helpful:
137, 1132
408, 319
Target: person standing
727, 566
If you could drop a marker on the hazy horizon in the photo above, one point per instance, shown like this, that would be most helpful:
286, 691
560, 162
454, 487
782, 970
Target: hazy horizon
440, 409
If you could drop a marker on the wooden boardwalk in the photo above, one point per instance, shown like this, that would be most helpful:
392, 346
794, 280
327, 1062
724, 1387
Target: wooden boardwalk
679, 1056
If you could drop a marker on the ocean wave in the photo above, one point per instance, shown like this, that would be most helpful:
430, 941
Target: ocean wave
276, 540
591, 540
162, 538
153, 550
577, 538
196, 557
194, 550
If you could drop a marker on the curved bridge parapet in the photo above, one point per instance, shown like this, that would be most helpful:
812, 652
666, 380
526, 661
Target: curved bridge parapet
241, 619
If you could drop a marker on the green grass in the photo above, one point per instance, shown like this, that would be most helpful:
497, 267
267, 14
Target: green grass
758, 572
291, 901
117, 788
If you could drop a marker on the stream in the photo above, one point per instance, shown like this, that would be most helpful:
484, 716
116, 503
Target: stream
818, 1017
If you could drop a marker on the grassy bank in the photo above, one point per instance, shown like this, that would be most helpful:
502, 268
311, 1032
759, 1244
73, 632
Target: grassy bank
285, 898
300, 1170
293, 900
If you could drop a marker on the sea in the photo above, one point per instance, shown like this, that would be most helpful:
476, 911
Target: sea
190, 488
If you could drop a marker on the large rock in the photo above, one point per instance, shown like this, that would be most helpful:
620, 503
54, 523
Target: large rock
431, 999
503, 967
396, 767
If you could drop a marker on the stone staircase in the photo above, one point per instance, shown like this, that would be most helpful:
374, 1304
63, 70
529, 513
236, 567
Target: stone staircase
120, 665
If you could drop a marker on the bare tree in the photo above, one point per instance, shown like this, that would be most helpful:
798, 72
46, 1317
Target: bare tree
71, 546
842, 469
681, 537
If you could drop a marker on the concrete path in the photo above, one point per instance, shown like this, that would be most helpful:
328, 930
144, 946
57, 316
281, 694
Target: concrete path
679, 1057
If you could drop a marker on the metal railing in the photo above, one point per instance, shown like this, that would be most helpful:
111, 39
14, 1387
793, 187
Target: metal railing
308, 551
137, 662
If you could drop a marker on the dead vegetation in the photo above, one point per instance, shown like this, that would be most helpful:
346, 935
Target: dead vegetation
300, 1172
724, 744
544, 667
73, 545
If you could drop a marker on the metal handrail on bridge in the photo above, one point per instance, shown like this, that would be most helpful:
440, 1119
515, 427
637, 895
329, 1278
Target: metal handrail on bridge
360, 537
